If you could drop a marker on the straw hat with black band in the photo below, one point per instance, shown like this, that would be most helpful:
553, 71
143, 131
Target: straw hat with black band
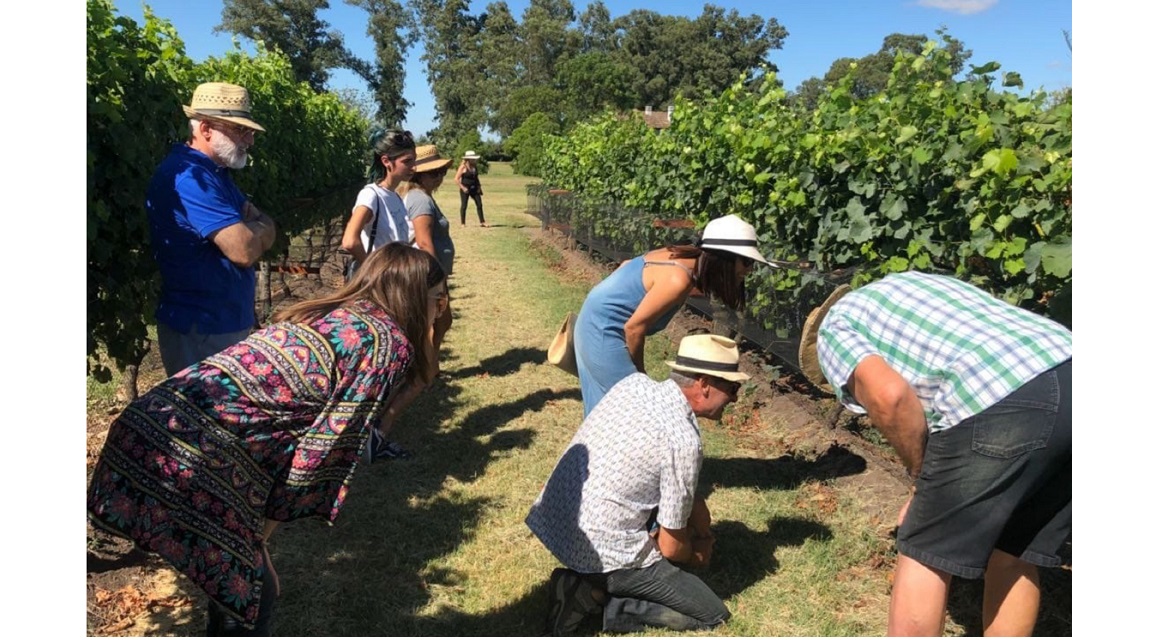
809, 360
709, 354
224, 102
428, 159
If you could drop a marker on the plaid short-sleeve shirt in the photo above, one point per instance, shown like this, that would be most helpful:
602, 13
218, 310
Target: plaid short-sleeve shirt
961, 349
639, 449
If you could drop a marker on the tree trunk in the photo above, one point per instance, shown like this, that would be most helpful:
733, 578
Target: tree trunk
128, 390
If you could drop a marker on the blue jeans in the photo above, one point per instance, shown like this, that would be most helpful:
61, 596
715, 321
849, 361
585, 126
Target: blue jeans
179, 350
660, 595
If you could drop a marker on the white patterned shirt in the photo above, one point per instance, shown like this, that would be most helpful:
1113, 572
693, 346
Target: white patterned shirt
639, 449
961, 349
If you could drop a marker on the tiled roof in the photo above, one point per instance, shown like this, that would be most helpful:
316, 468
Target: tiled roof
657, 119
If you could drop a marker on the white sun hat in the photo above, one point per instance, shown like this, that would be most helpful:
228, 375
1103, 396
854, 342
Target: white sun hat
733, 235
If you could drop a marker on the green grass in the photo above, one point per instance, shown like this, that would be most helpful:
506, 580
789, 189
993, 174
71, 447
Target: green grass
436, 545
102, 396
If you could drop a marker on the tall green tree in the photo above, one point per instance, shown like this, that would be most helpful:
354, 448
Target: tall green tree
547, 38
500, 47
525, 101
455, 69
597, 32
293, 28
591, 82
673, 55
726, 45
392, 27
872, 71
358, 101
646, 47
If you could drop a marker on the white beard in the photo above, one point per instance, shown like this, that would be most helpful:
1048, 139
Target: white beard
231, 154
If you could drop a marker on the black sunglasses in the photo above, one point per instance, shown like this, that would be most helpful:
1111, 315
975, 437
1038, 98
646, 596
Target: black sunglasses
727, 386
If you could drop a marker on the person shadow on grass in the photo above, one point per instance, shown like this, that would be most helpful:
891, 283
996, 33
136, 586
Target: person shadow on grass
742, 557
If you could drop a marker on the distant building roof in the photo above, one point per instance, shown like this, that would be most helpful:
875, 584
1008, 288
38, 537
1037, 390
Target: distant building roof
657, 119
654, 119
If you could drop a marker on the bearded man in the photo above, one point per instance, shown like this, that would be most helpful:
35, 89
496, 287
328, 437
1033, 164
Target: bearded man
206, 234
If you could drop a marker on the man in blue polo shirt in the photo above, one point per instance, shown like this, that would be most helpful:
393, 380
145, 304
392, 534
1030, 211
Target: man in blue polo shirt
975, 396
206, 234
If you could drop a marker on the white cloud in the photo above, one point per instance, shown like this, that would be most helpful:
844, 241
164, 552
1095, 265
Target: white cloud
963, 7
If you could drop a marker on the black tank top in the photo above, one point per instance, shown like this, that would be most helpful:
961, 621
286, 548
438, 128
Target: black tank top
470, 179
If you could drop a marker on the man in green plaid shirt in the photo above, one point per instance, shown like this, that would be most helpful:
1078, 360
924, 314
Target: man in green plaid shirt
975, 396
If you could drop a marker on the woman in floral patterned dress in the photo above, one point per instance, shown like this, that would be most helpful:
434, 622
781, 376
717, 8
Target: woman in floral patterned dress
203, 467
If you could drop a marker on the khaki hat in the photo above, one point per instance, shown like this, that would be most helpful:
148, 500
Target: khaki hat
428, 159
471, 155
733, 235
709, 354
222, 101
809, 361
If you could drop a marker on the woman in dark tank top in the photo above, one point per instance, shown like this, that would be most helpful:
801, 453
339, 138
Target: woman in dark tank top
468, 180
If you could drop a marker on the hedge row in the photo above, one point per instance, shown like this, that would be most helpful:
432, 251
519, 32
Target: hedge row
931, 174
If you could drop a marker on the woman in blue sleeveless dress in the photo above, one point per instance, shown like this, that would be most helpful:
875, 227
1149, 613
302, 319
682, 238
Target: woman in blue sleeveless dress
640, 297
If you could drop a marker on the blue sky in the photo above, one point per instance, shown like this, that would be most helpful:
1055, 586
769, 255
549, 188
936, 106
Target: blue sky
1023, 35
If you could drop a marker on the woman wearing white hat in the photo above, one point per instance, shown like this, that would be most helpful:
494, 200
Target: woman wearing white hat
468, 179
640, 297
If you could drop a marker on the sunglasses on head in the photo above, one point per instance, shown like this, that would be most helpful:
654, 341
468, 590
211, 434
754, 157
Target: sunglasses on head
398, 137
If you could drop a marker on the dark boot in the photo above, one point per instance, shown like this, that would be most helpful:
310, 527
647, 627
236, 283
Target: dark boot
221, 623
572, 602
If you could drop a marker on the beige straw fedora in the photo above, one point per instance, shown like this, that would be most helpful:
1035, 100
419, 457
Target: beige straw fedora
222, 101
809, 362
709, 354
730, 233
428, 159
471, 155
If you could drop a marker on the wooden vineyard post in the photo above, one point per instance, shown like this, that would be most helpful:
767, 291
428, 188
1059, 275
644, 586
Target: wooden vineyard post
264, 287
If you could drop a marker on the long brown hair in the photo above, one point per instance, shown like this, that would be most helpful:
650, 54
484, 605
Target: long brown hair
396, 277
715, 273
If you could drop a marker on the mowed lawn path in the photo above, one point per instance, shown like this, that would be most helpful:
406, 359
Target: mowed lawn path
436, 544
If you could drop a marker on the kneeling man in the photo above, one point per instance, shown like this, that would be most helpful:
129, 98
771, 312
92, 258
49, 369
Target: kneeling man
620, 509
